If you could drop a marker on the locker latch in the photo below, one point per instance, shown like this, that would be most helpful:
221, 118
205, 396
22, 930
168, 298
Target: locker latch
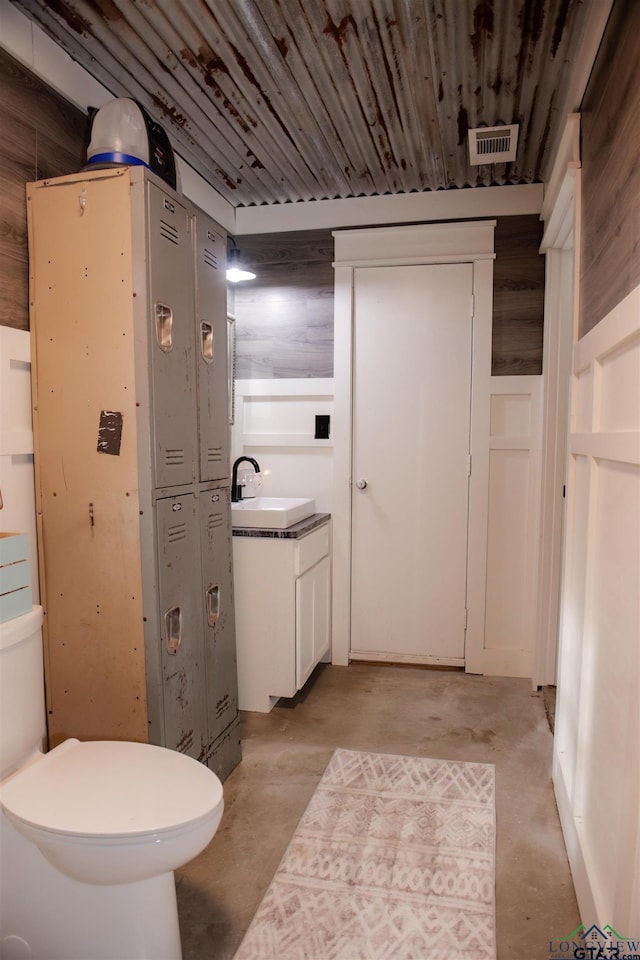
206, 341
213, 604
164, 326
173, 628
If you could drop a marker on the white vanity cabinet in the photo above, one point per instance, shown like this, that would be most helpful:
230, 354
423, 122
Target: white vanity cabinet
282, 601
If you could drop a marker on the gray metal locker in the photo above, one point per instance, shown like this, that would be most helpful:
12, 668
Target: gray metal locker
220, 645
171, 304
211, 336
129, 651
182, 641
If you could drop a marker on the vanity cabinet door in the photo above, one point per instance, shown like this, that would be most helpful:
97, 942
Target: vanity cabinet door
312, 619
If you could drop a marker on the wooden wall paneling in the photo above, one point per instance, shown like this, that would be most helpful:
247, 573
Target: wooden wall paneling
14, 265
284, 338
41, 135
284, 318
296, 246
61, 128
518, 297
610, 242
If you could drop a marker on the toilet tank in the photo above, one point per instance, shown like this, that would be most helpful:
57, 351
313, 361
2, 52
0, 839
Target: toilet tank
22, 709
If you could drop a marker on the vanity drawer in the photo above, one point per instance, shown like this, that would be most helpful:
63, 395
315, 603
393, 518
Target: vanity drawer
310, 549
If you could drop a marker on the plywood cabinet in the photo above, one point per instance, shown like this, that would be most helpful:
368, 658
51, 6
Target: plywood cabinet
128, 327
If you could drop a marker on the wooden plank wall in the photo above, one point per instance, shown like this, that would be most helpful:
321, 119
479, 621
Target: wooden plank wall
610, 248
518, 297
41, 135
284, 318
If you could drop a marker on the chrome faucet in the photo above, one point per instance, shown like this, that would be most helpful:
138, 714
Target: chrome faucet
236, 488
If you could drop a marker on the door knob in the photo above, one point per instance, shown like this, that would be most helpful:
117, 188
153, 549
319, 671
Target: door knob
361, 484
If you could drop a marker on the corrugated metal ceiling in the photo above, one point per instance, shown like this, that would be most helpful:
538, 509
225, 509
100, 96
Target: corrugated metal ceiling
285, 100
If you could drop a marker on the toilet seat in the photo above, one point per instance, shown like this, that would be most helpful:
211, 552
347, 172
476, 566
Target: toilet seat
111, 789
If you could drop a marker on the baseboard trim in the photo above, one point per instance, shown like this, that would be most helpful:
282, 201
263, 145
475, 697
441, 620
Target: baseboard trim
375, 656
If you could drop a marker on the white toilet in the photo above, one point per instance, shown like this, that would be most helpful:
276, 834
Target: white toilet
90, 832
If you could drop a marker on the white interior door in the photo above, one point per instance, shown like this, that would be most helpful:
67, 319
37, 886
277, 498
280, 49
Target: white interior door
410, 471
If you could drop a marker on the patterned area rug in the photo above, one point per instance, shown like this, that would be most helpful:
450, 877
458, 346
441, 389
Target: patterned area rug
394, 859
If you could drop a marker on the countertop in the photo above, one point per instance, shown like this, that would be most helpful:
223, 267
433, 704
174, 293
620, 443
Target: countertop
294, 532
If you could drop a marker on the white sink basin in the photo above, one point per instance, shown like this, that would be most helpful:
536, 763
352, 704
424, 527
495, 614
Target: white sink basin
273, 513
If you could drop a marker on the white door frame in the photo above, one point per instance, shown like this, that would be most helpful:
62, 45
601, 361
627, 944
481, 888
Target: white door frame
461, 242
559, 213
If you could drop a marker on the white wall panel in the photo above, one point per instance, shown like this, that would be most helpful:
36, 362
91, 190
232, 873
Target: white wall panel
572, 627
514, 454
583, 402
597, 744
18, 513
620, 389
274, 423
612, 661
506, 560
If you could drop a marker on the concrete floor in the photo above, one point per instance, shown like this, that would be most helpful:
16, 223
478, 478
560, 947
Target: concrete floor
386, 709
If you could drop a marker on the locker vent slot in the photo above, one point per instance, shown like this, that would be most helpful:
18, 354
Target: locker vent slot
210, 258
215, 521
174, 458
177, 532
185, 742
214, 454
169, 232
223, 705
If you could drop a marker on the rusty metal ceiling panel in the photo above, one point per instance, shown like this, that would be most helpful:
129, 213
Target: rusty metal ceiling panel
276, 101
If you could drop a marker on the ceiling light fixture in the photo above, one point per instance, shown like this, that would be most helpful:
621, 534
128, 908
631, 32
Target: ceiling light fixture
236, 270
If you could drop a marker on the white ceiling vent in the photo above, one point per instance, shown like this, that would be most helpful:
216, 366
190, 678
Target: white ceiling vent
493, 144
